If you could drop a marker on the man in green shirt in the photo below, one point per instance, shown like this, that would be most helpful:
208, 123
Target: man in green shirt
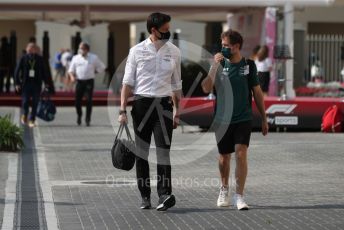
235, 80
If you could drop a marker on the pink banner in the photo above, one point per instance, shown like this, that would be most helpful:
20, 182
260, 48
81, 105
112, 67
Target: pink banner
270, 40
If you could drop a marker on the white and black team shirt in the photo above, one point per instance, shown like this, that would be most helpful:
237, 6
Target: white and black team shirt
152, 72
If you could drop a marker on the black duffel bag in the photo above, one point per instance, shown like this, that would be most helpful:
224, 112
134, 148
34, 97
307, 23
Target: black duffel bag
123, 150
46, 110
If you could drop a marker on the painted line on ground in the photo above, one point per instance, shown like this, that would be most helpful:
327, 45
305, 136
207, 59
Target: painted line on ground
46, 187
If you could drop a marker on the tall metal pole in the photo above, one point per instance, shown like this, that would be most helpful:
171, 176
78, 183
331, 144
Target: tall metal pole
289, 40
13, 51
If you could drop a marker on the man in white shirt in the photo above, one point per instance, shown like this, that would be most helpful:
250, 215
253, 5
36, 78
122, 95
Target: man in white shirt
153, 74
83, 68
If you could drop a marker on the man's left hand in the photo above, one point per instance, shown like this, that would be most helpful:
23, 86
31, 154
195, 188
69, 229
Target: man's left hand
175, 121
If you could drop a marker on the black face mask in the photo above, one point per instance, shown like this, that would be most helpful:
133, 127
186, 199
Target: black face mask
164, 36
227, 52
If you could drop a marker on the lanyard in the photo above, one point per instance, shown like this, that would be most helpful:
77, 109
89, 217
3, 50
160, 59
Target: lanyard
32, 64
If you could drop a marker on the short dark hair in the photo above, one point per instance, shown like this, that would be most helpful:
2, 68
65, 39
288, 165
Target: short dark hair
86, 45
156, 20
263, 53
234, 37
255, 49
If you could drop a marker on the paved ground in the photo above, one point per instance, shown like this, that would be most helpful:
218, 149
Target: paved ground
4, 165
295, 181
3, 178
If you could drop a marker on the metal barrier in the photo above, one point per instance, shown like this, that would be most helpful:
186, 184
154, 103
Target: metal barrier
326, 50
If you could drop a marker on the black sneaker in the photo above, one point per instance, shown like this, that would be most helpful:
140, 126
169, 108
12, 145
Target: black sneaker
146, 203
79, 121
166, 202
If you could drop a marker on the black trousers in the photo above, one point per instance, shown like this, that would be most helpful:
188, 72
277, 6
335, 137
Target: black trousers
84, 88
153, 116
31, 91
264, 80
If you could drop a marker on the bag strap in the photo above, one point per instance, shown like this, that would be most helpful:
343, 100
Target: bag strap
120, 131
45, 95
249, 63
128, 132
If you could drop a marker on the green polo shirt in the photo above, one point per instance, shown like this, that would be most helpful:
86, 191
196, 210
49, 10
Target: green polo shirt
233, 85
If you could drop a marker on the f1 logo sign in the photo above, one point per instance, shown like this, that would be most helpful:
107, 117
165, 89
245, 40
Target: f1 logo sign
281, 108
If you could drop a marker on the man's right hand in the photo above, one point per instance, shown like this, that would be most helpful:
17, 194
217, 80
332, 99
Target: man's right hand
72, 78
123, 119
218, 58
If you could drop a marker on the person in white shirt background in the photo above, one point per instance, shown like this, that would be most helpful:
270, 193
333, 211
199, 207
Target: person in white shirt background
83, 69
264, 67
66, 58
255, 50
153, 75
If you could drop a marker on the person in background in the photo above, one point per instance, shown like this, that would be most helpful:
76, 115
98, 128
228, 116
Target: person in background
59, 70
264, 67
255, 50
65, 60
29, 75
2, 64
83, 69
317, 72
5, 65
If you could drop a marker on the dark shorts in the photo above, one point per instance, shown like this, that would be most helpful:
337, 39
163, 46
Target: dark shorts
264, 80
228, 136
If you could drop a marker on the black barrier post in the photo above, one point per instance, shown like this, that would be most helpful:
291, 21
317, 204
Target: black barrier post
5, 63
76, 42
73, 44
111, 57
13, 51
46, 45
142, 36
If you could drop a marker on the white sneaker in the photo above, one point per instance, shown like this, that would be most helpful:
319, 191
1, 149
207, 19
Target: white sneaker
223, 200
239, 202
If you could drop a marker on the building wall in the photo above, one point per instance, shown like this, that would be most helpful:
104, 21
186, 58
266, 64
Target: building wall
122, 40
325, 28
24, 30
330, 14
60, 36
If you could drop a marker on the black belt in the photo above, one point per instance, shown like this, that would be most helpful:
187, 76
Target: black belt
139, 97
85, 80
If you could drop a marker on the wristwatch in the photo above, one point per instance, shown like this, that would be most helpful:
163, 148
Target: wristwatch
122, 112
